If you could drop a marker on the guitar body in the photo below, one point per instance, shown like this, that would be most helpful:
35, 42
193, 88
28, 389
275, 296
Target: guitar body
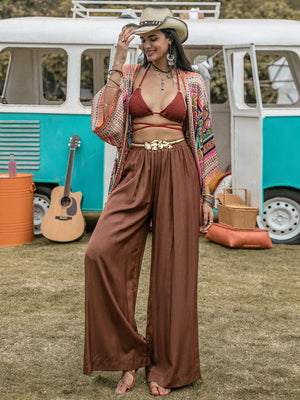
63, 222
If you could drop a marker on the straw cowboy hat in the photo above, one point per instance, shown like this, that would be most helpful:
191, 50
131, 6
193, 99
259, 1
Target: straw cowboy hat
154, 18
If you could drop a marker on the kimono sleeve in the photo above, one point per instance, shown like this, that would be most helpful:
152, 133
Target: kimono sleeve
210, 166
111, 128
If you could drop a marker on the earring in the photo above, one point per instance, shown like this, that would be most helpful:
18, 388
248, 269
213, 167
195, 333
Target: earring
171, 57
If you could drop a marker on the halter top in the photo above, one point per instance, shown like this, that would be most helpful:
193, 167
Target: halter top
174, 111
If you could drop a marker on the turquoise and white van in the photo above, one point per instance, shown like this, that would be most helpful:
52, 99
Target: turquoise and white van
54, 66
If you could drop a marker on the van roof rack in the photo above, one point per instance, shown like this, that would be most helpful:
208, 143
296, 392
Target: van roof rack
191, 9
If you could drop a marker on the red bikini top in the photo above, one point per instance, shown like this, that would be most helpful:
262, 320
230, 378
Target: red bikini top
174, 111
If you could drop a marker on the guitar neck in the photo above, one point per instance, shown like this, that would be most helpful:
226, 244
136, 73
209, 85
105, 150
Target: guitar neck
69, 173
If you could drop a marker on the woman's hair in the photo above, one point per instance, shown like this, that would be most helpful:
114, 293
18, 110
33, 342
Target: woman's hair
176, 49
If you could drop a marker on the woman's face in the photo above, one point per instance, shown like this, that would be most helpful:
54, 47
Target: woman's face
155, 45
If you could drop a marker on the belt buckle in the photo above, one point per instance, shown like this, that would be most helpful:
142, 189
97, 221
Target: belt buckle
157, 145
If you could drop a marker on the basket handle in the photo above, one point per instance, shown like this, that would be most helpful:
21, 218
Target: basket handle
236, 188
32, 188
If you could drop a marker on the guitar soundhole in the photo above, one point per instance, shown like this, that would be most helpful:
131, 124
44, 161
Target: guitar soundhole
65, 201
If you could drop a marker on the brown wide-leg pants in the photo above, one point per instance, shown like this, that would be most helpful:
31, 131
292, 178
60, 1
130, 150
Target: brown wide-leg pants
161, 185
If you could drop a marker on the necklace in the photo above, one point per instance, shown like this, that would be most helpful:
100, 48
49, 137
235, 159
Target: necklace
162, 80
161, 70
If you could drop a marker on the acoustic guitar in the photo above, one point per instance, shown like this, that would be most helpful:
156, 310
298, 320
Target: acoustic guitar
64, 221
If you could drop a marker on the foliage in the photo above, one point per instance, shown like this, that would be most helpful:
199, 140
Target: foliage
54, 76
218, 87
275, 9
4, 60
295, 4
25, 8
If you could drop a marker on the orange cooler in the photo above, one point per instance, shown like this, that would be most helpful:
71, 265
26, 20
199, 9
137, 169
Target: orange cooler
16, 209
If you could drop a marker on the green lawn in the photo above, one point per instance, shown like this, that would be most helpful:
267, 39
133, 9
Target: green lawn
248, 324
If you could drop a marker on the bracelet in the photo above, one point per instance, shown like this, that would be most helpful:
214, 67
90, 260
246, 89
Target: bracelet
114, 87
209, 204
210, 198
116, 83
116, 70
209, 201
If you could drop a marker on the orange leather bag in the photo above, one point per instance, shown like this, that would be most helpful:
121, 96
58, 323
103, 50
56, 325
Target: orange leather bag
239, 238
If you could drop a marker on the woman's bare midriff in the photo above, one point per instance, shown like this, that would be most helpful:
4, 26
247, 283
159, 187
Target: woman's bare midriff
155, 132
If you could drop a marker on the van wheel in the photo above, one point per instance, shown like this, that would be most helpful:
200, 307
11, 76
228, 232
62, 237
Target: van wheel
41, 204
281, 215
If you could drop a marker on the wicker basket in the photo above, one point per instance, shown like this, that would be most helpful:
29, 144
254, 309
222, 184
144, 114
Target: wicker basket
234, 212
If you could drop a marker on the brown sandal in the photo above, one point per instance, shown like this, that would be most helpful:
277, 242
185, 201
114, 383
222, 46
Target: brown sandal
122, 383
154, 386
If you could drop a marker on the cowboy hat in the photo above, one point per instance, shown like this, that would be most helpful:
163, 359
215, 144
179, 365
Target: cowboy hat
154, 18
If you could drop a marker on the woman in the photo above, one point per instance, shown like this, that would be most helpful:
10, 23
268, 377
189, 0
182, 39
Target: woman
157, 117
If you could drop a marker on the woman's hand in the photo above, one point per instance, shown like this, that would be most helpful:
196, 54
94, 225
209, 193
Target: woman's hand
207, 218
124, 40
115, 74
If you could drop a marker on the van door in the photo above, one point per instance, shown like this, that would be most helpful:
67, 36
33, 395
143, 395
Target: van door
246, 121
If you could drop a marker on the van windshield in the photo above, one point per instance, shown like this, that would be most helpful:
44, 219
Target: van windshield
278, 84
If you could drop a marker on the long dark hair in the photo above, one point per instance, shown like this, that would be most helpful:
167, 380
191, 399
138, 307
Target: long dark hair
177, 49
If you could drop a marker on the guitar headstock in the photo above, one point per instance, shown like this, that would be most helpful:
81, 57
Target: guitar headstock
74, 142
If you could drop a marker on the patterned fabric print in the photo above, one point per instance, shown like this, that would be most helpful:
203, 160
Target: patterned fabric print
116, 129
100, 126
200, 128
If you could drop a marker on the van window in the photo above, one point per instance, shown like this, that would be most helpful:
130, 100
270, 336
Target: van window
4, 62
218, 84
249, 90
54, 73
33, 75
94, 70
209, 63
278, 83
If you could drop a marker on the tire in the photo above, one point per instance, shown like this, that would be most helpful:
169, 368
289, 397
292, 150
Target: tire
41, 203
281, 215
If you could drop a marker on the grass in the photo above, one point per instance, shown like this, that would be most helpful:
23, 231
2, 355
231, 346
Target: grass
248, 324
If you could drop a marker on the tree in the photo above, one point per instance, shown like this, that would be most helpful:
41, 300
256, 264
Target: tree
25, 8
276, 9
294, 4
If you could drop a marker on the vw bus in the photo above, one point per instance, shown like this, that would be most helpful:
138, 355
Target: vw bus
53, 67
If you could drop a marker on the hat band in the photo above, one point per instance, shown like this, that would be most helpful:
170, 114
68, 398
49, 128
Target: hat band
147, 23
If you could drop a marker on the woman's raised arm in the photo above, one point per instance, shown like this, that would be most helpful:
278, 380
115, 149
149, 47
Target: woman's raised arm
115, 74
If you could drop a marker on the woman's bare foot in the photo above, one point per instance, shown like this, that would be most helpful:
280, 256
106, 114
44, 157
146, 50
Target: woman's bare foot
126, 382
157, 390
